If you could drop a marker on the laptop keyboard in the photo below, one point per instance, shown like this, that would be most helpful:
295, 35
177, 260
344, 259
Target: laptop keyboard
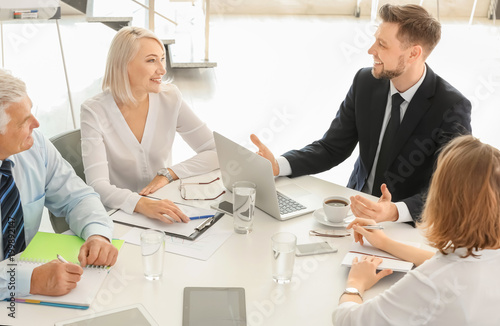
288, 205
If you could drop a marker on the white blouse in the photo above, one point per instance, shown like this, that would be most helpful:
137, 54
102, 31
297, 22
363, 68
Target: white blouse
445, 290
118, 166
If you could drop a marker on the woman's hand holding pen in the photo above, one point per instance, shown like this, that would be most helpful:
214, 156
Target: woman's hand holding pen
380, 240
163, 210
376, 237
363, 274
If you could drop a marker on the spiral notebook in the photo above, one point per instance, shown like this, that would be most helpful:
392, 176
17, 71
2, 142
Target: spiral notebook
43, 248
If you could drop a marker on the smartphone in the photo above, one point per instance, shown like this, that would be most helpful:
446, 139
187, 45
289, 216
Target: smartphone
223, 206
314, 248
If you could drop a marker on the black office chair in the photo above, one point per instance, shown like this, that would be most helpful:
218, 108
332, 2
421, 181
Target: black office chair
69, 145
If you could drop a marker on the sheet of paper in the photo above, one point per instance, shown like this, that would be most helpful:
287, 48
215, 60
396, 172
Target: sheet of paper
201, 248
389, 261
185, 229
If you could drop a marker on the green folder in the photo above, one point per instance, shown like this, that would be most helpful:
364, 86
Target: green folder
45, 246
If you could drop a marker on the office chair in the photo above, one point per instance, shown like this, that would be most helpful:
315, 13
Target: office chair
69, 145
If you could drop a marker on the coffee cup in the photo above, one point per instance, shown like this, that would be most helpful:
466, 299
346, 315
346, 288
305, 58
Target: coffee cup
336, 208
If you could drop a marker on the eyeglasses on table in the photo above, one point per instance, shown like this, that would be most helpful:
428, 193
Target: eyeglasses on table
183, 186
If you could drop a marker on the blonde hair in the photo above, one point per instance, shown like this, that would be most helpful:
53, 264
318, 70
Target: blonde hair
12, 90
462, 209
123, 49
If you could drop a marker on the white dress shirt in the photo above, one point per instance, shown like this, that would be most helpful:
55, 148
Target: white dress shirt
404, 213
445, 290
118, 166
44, 178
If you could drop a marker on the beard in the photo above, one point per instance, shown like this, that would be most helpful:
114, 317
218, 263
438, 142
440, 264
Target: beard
390, 74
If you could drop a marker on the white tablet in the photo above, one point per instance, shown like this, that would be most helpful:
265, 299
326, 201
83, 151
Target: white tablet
205, 306
135, 315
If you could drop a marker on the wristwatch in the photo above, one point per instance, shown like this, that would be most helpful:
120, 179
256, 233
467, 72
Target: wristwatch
353, 291
164, 172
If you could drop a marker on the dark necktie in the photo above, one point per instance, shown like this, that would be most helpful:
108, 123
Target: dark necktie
387, 144
12, 213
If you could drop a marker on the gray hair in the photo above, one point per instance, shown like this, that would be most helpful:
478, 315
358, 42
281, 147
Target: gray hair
12, 90
123, 49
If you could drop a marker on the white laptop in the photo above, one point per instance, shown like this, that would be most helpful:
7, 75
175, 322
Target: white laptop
240, 164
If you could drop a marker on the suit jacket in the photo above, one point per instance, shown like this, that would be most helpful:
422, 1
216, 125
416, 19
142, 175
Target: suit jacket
436, 113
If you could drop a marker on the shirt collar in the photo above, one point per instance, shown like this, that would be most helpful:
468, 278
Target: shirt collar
408, 95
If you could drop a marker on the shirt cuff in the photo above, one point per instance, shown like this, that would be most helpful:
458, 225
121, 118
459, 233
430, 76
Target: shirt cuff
284, 165
404, 212
97, 229
23, 279
130, 203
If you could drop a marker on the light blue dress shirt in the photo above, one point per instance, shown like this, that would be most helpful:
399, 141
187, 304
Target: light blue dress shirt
44, 178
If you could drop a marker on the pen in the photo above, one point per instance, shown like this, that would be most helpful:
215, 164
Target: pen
62, 259
328, 234
200, 217
147, 196
372, 227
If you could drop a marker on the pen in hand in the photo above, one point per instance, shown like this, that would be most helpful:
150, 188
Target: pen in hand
61, 259
372, 227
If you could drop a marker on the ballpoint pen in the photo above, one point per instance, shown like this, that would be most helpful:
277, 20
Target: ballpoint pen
200, 217
62, 259
372, 227
331, 234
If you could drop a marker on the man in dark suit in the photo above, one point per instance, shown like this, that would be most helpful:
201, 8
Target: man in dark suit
399, 111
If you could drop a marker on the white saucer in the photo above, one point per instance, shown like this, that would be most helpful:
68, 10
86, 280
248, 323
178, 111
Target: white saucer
319, 216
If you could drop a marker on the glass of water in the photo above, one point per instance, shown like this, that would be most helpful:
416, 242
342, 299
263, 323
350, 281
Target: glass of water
243, 206
283, 256
153, 251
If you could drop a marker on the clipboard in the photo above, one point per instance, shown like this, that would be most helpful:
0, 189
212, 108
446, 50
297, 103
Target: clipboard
200, 229
142, 222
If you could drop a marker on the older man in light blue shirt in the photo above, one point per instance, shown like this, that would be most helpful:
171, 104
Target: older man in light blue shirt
44, 178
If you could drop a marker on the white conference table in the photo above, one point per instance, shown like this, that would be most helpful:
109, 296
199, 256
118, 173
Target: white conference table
242, 261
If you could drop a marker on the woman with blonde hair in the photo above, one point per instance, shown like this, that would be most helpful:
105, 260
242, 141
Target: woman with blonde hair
128, 130
457, 285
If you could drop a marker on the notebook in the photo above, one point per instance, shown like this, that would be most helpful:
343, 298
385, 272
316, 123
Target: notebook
43, 248
389, 261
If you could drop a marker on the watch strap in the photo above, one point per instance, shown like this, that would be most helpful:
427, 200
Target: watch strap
352, 291
164, 172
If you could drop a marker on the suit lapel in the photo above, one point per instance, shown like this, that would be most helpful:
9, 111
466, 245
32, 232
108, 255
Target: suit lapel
417, 108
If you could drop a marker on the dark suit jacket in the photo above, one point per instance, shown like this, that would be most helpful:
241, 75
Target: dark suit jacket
436, 113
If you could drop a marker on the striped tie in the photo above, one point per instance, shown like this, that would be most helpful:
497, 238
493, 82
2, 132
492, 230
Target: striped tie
12, 213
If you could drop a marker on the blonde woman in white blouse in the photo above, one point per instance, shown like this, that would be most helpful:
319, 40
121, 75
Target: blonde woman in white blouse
128, 130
